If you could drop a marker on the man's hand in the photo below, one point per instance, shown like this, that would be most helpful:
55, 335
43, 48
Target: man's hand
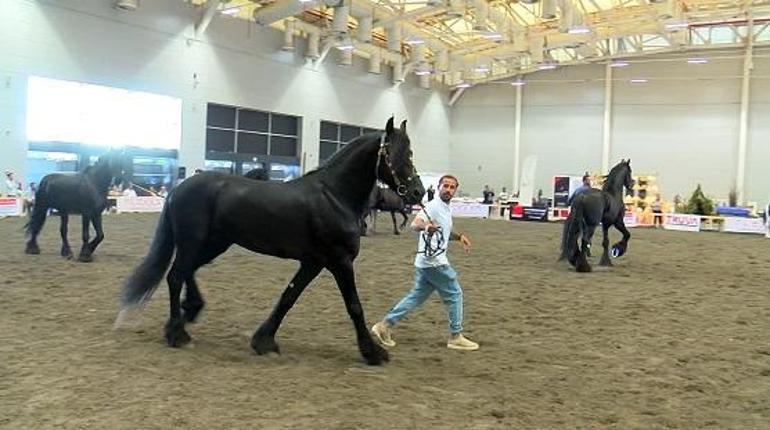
466, 243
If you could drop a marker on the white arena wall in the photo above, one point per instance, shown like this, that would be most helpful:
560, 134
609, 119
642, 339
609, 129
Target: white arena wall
682, 125
234, 62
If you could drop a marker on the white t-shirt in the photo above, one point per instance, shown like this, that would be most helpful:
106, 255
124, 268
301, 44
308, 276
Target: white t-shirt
441, 214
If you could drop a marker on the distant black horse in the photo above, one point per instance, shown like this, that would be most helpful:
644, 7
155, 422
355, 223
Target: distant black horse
386, 200
592, 207
258, 174
313, 219
84, 193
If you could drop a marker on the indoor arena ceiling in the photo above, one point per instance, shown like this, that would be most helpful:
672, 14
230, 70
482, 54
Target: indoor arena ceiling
475, 41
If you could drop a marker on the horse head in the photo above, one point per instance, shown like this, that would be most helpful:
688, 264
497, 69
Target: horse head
114, 166
395, 166
620, 176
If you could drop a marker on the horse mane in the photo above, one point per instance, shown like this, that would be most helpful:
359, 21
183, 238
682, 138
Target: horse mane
340, 155
610, 177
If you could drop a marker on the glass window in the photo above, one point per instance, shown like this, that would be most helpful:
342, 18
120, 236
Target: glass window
253, 120
220, 116
329, 131
220, 140
327, 149
41, 163
96, 115
283, 172
222, 166
252, 143
348, 133
284, 124
284, 146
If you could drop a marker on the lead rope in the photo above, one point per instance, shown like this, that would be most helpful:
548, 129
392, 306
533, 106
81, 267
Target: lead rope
429, 250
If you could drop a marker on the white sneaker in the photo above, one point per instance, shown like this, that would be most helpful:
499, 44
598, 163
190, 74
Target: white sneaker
461, 343
381, 331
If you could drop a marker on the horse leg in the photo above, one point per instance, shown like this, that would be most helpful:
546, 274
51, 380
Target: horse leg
174, 331
36, 221
193, 301
96, 220
605, 261
622, 246
343, 273
263, 340
66, 251
85, 253
582, 262
406, 218
395, 228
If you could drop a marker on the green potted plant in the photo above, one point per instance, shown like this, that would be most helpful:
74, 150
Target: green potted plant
699, 204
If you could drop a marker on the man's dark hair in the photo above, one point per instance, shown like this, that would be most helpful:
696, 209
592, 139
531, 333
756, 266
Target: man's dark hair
448, 177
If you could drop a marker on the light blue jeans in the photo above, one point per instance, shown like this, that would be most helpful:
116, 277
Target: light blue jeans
442, 279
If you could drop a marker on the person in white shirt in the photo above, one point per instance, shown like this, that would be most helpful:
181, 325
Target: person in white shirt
129, 191
432, 270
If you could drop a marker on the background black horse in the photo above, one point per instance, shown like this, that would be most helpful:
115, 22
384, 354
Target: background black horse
84, 193
258, 174
313, 219
592, 207
386, 200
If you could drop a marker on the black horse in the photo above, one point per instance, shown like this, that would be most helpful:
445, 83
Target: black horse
313, 219
592, 207
258, 174
84, 193
386, 200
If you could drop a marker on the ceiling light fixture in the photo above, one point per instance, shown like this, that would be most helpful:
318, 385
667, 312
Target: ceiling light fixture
638, 81
580, 29
231, 10
697, 61
618, 64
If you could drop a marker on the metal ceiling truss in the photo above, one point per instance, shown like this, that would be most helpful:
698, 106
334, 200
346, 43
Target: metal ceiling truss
467, 42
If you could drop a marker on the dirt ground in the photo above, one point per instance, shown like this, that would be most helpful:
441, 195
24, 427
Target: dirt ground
676, 335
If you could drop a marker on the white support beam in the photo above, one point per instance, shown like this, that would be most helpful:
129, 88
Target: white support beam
327, 47
740, 171
211, 8
517, 141
607, 124
456, 96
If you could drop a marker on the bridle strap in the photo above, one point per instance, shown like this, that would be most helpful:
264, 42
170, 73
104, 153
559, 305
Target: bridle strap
383, 154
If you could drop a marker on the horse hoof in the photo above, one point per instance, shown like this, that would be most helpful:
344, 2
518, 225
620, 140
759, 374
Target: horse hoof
175, 334
32, 250
178, 338
605, 263
66, 253
85, 258
264, 345
376, 355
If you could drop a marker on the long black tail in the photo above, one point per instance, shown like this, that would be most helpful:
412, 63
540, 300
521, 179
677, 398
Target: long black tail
145, 278
39, 210
572, 230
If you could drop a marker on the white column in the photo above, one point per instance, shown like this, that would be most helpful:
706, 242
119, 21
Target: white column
607, 124
517, 141
740, 171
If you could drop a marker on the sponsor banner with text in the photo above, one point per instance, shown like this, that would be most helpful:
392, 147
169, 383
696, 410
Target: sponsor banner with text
682, 222
139, 204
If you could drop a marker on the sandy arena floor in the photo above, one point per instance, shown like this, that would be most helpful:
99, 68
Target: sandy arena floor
676, 335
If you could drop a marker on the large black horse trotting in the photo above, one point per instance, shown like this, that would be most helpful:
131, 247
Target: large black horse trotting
84, 193
386, 200
313, 219
592, 207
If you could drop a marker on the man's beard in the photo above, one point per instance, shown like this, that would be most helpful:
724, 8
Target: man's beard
446, 197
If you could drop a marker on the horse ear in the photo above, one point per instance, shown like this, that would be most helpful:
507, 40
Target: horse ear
403, 126
389, 127
628, 162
